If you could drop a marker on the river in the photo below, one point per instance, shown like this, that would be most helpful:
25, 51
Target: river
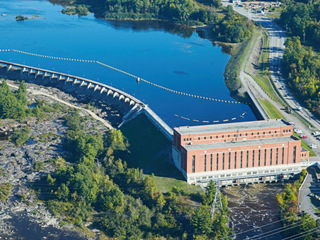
175, 57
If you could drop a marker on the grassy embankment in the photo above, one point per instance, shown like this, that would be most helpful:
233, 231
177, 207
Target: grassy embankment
233, 68
151, 151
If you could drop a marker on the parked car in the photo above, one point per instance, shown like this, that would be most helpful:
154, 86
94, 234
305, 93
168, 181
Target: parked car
315, 133
296, 130
312, 146
303, 136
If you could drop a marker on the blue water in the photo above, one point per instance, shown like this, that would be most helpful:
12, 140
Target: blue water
161, 53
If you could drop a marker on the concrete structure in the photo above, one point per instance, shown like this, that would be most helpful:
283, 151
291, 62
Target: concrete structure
128, 105
238, 153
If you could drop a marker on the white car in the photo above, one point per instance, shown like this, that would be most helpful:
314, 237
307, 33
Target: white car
299, 108
296, 130
312, 146
315, 133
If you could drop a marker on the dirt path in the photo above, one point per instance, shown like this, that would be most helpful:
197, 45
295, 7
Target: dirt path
36, 92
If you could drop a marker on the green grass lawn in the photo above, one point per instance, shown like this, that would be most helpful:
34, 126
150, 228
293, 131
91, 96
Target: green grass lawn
150, 150
305, 145
272, 111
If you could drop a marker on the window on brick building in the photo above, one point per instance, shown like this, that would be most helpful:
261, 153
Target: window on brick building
277, 155
294, 154
229, 160
259, 157
222, 161
241, 155
193, 163
210, 137
247, 164
235, 160
270, 156
205, 162
222, 136
265, 157
228, 136
283, 155
269, 132
217, 167
252, 157
251, 134
216, 136
205, 138
211, 162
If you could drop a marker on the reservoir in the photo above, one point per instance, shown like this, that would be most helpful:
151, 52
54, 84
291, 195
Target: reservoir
175, 57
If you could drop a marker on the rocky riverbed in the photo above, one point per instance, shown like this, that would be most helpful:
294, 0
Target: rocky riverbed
22, 215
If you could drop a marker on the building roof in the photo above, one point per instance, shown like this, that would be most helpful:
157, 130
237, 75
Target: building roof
228, 127
262, 141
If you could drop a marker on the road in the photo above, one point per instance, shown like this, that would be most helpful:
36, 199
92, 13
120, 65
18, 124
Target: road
277, 39
309, 186
92, 114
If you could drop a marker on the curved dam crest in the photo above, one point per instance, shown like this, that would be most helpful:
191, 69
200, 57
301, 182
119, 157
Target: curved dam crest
128, 105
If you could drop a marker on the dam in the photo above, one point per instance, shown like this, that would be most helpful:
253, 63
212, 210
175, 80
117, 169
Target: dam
128, 105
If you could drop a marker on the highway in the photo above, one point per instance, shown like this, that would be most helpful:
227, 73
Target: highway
277, 40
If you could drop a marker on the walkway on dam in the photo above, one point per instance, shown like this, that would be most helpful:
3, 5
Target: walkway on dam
36, 92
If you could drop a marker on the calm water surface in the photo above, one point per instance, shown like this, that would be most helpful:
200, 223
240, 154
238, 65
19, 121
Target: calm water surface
174, 57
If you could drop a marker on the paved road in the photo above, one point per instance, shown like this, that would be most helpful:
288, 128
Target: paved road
36, 92
277, 40
309, 186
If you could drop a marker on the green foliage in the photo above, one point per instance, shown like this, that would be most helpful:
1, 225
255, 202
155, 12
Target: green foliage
20, 18
81, 10
129, 204
288, 201
12, 105
182, 11
22, 197
20, 137
303, 20
38, 166
115, 140
301, 67
5, 189
233, 27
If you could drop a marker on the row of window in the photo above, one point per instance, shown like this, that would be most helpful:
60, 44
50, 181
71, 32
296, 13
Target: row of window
247, 173
235, 135
262, 159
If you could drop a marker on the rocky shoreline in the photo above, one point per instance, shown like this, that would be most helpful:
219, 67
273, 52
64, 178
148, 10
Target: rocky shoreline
18, 166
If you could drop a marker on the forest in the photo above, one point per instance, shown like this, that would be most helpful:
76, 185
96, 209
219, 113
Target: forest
301, 66
302, 19
94, 185
228, 25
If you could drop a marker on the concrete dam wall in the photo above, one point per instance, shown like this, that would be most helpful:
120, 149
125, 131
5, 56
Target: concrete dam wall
86, 90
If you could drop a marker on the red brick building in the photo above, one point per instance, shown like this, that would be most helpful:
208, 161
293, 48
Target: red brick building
235, 152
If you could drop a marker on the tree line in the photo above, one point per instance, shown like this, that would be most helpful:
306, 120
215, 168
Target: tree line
302, 19
93, 185
301, 67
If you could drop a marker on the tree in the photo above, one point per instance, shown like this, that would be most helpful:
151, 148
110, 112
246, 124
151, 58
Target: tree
201, 221
62, 192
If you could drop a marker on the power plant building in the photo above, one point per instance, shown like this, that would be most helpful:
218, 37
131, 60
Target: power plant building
238, 153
